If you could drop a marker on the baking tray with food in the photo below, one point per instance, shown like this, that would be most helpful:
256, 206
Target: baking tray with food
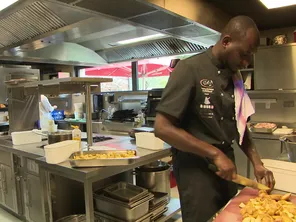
103, 158
251, 205
263, 127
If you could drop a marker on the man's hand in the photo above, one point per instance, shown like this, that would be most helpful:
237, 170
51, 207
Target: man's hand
226, 167
261, 173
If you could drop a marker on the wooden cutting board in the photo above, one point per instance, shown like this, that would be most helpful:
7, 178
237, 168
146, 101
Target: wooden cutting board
232, 212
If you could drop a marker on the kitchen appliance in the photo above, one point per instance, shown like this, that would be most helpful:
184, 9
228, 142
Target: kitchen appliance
98, 103
154, 97
155, 177
288, 147
269, 62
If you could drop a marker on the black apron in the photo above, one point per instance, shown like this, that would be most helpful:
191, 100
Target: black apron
202, 192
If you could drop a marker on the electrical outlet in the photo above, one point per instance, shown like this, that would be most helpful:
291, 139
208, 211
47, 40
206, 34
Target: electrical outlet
289, 104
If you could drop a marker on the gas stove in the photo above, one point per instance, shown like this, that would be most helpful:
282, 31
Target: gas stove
97, 139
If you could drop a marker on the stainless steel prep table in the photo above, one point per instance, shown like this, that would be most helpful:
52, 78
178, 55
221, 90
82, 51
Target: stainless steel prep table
88, 176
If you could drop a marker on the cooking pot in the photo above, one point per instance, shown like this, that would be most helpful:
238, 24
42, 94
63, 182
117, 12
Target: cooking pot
155, 177
288, 146
59, 137
56, 136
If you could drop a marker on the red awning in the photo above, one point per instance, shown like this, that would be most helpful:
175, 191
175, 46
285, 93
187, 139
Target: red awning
144, 70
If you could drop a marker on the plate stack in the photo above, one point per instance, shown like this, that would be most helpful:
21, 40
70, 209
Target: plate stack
124, 202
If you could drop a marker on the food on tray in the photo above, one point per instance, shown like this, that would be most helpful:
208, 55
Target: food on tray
109, 155
2, 106
264, 125
269, 208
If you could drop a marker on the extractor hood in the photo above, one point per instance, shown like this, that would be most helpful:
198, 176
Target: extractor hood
85, 32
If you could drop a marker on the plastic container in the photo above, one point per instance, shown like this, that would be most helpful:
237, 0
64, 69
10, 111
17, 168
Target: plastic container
149, 141
284, 174
25, 137
60, 152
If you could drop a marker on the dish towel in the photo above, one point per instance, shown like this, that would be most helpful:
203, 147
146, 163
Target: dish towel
243, 105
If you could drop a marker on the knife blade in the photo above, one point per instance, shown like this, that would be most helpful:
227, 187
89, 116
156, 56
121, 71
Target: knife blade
240, 179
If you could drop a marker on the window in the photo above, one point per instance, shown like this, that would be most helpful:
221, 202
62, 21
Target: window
152, 73
155, 73
121, 74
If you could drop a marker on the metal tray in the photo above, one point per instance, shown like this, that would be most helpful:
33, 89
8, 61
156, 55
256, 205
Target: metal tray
159, 216
122, 212
261, 130
101, 162
125, 192
158, 198
107, 218
124, 204
162, 204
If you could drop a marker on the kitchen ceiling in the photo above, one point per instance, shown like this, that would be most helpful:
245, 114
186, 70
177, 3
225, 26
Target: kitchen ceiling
265, 18
96, 25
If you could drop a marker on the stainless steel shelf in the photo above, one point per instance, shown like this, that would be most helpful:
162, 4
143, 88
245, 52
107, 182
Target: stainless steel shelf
63, 81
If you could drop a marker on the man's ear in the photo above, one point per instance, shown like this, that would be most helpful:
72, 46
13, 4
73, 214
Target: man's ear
226, 40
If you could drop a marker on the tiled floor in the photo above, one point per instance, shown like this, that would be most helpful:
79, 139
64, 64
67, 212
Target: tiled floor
7, 217
175, 194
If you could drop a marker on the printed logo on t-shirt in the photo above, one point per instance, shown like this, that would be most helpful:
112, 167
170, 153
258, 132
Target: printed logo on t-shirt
207, 83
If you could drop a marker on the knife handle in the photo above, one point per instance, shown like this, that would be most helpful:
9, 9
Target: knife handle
211, 166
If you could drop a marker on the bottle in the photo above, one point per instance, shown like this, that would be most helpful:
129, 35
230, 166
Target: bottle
76, 134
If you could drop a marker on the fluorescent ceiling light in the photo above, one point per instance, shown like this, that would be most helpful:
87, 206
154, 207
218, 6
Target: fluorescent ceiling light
140, 39
277, 3
5, 3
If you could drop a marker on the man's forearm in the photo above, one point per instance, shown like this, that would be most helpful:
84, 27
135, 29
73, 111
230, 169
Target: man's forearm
183, 140
249, 149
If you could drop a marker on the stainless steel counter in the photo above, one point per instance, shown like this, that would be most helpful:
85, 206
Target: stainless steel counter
30, 150
99, 173
86, 176
265, 136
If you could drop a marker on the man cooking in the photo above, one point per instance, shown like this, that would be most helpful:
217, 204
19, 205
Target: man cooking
203, 112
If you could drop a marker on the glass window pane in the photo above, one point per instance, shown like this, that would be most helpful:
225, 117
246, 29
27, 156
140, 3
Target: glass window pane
121, 74
154, 73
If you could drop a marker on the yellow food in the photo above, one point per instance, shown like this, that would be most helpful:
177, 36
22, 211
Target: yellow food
269, 208
109, 155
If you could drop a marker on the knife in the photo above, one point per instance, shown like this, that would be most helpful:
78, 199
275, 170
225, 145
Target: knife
241, 180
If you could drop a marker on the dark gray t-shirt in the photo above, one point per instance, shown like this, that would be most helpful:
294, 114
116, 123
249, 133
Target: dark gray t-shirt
200, 94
